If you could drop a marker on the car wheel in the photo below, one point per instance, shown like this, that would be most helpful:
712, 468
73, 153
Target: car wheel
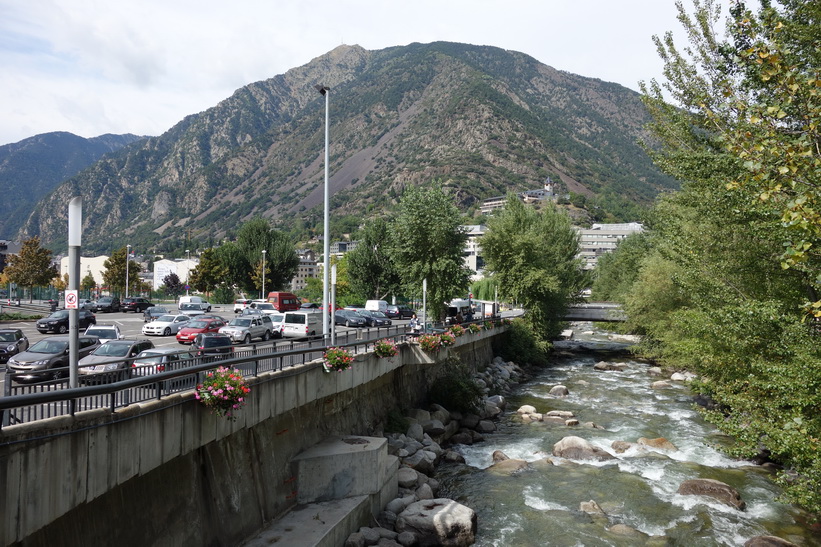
247, 339
57, 374
62, 329
266, 336
167, 331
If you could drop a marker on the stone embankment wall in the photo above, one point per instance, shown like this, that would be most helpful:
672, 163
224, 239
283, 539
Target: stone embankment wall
170, 473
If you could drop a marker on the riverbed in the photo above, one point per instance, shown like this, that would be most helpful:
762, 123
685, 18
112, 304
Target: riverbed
541, 505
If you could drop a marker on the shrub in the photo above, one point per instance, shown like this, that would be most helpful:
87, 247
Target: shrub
456, 388
385, 348
397, 423
223, 391
337, 359
521, 344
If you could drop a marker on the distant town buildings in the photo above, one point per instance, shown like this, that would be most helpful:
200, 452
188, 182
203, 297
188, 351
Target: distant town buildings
307, 268
547, 192
181, 267
603, 238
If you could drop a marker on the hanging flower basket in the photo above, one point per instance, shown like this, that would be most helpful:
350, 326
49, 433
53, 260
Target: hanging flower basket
385, 348
488, 325
337, 359
457, 330
447, 339
474, 328
223, 391
430, 342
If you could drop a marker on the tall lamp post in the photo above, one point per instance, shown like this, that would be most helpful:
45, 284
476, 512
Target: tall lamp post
263, 273
187, 268
325, 91
127, 255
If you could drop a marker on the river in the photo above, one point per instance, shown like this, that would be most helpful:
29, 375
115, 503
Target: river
541, 506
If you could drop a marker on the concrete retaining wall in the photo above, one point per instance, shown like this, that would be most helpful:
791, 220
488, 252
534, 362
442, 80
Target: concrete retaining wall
170, 473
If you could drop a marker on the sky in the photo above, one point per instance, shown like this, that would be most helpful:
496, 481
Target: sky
91, 67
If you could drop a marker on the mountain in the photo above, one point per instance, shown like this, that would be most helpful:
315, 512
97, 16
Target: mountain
480, 119
33, 167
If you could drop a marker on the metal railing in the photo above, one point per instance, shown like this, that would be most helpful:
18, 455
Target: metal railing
119, 388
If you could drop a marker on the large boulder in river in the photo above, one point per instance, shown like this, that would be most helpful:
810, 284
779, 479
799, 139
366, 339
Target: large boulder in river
576, 448
660, 443
715, 489
438, 521
559, 391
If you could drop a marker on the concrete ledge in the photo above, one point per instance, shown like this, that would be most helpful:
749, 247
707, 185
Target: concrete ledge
324, 524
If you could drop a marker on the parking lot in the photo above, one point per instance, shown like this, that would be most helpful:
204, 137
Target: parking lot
130, 325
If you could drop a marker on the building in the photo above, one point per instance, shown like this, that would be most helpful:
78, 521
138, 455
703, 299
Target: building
182, 267
603, 238
339, 248
307, 268
546, 192
473, 251
94, 265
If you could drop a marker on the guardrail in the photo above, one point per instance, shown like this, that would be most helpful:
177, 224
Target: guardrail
119, 388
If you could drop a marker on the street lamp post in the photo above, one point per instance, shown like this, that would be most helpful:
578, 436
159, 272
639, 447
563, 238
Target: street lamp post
263, 274
325, 91
187, 268
127, 254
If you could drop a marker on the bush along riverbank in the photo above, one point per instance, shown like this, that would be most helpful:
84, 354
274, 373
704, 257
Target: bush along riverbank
419, 516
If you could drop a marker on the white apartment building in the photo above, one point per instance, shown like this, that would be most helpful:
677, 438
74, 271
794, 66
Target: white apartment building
308, 267
182, 267
603, 238
473, 251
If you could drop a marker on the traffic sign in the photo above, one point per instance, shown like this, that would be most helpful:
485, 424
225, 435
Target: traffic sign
71, 299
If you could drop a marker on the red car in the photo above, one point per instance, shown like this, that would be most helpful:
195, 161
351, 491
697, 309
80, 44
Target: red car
197, 326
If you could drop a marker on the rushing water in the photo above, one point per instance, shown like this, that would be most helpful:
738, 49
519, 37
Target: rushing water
540, 506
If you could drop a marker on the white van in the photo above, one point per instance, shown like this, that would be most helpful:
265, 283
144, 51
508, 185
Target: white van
301, 323
194, 300
376, 305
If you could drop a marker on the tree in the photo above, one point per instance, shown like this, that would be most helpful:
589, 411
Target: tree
280, 257
172, 285
114, 274
32, 267
88, 282
533, 257
372, 271
427, 243
210, 273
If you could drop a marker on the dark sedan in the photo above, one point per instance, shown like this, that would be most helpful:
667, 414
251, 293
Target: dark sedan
57, 322
154, 312
349, 318
399, 312
136, 304
212, 345
12, 342
108, 304
375, 318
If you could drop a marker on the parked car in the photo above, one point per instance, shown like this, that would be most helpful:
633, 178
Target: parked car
266, 308
12, 342
194, 308
240, 304
194, 300
278, 323
212, 316
48, 358
57, 322
197, 326
375, 318
115, 355
399, 312
86, 304
309, 306
108, 304
136, 304
166, 325
105, 333
154, 312
247, 328
212, 345
349, 318
302, 323
152, 361
283, 301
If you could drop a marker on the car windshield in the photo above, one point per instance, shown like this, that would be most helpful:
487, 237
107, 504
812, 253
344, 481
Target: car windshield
113, 350
7, 337
265, 307
197, 324
59, 314
104, 299
156, 311
213, 342
277, 317
239, 322
165, 318
378, 314
49, 346
189, 306
102, 333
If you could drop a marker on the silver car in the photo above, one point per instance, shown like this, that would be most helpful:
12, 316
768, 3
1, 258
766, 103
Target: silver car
166, 325
155, 360
246, 328
111, 356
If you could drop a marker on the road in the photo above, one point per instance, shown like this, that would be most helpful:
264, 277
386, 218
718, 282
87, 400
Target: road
131, 325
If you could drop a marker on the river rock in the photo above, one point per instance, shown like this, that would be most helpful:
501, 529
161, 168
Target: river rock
470, 421
415, 431
620, 447
406, 539
576, 448
370, 535
570, 422
559, 391
591, 425
497, 400
438, 521
715, 489
655, 371
661, 384
660, 443
498, 456
355, 540
486, 426
561, 413
508, 467
627, 531
418, 414
433, 427
407, 477
604, 365
590, 507
526, 409
422, 461
451, 456
768, 541
462, 437
424, 492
